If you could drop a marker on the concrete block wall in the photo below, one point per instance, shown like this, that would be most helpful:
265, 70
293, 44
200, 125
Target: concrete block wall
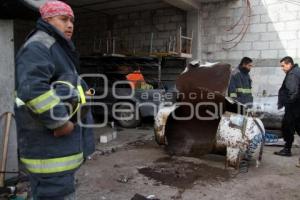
133, 30
274, 32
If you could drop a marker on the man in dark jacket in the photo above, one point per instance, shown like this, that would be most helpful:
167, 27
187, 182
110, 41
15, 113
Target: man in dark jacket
241, 83
51, 144
289, 97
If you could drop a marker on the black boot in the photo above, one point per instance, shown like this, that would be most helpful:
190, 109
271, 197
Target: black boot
284, 152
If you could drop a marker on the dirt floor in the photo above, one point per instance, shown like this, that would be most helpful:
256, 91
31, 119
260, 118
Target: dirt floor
142, 167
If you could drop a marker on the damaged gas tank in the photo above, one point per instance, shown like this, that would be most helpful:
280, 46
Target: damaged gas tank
195, 125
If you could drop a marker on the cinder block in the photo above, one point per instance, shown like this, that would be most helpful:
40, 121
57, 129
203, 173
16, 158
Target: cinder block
244, 46
292, 7
255, 2
177, 18
287, 35
212, 47
160, 27
134, 15
266, 19
159, 42
251, 37
255, 19
252, 54
275, 8
122, 17
268, 54
258, 10
287, 52
293, 44
235, 55
269, 36
292, 25
298, 54
164, 20
260, 45
169, 11
236, 4
134, 30
221, 55
280, 26
109, 136
164, 35
171, 26
146, 29
258, 28
278, 44
288, 16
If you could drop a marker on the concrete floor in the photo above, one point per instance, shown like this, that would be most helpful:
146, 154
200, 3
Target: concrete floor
140, 166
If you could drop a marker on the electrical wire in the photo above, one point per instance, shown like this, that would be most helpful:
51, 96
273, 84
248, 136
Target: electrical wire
237, 36
244, 29
238, 22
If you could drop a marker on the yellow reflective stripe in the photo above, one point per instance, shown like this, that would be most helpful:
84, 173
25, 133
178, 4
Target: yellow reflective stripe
43, 102
82, 95
233, 95
243, 90
65, 82
19, 102
53, 165
146, 86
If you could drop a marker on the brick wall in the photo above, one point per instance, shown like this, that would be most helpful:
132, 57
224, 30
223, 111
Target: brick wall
274, 32
132, 30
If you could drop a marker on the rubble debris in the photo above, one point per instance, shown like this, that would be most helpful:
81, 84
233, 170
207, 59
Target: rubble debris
141, 197
124, 179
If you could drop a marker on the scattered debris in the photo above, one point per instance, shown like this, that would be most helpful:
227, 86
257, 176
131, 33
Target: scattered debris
124, 179
141, 197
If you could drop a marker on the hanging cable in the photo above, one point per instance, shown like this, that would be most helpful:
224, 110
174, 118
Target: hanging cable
243, 32
243, 28
239, 21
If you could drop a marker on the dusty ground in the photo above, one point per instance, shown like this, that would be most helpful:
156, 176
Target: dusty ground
144, 168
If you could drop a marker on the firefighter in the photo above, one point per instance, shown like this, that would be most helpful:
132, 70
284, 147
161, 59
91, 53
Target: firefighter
289, 98
50, 144
241, 83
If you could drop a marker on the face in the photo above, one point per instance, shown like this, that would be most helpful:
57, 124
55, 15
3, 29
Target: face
63, 23
248, 66
286, 67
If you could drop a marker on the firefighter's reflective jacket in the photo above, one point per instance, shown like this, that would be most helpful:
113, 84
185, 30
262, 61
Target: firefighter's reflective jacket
240, 86
46, 59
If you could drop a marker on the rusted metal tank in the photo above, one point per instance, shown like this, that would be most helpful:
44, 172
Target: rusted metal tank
198, 123
241, 136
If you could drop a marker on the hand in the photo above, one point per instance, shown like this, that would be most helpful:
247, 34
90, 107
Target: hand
64, 130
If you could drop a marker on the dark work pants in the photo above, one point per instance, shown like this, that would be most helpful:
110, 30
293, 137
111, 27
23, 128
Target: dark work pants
290, 124
52, 187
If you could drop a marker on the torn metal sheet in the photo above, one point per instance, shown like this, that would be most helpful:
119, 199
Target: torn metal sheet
215, 125
206, 85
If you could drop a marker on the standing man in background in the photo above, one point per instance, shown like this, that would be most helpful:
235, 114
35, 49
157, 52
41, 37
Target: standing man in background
289, 98
51, 145
240, 83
